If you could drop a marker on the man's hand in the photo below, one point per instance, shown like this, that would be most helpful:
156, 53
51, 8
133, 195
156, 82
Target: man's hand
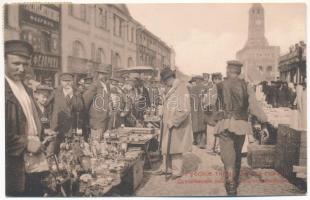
34, 144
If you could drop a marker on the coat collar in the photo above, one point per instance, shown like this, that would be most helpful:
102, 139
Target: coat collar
174, 87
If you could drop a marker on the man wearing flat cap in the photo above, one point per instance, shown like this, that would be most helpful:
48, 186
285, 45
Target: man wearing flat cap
67, 106
22, 134
177, 137
97, 101
238, 101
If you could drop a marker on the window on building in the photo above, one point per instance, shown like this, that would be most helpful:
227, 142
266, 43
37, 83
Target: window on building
117, 60
101, 18
118, 26
78, 49
6, 15
100, 56
132, 34
46, 41
78, 11
269, 69
260, 69
93, 51
130, 62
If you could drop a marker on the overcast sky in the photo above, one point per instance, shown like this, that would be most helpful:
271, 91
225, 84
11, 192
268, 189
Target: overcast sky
205, 36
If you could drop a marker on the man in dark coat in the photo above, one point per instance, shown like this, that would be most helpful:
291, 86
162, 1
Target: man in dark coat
21, 118
197, 112
239, 100
67, 107
142, 98
97, 103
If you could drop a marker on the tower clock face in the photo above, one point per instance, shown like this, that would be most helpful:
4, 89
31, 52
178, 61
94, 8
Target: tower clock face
258, 22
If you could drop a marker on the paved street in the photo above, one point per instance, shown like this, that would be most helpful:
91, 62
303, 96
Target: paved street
204, 178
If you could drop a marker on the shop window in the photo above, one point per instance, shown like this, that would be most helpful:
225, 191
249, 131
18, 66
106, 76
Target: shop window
46, 41
78, 49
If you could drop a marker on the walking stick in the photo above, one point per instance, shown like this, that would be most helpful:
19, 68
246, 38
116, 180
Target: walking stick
161, 137
168, 151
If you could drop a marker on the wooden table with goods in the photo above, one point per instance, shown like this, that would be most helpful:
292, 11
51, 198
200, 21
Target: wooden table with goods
141, 138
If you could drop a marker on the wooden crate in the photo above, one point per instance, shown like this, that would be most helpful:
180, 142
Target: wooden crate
138, 170
287, 151
261, 156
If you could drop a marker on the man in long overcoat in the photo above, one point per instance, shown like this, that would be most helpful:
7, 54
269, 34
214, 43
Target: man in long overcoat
197, 112
176, 122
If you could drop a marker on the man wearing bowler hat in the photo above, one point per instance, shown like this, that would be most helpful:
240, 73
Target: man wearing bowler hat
22, 123
238, 101
177, 136
97, 100
67, 106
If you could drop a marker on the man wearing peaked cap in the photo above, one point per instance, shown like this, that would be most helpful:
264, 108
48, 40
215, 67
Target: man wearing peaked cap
22, 134
239, 99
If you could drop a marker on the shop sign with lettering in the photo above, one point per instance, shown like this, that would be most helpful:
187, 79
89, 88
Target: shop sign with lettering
45, 61
41, 15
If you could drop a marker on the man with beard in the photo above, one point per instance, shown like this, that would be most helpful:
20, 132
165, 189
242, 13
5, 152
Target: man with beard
22, 134
238, 100
67, 107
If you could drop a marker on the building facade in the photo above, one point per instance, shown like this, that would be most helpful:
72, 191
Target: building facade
292, 65
260, 60
95, 34
38, 24
152, 51
77, 38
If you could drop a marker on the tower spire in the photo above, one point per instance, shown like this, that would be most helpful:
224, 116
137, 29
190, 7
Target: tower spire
256, 29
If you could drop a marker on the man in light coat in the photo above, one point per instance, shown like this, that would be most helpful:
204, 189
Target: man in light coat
177, 122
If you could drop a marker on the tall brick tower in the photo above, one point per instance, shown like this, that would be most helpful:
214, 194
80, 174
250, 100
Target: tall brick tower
260, 60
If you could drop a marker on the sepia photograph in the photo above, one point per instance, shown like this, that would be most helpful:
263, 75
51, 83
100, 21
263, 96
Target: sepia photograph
154, 99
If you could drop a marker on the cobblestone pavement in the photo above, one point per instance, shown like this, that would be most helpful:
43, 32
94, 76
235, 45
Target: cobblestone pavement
204, 177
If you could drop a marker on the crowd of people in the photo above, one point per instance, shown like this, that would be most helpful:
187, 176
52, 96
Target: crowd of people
39, 117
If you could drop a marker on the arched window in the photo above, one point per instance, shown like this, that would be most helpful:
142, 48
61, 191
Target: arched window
260, 69
78, 49
100, 56
117, 60
130, 62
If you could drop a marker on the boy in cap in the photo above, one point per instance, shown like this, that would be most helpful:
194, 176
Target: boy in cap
239, 100
22, 134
